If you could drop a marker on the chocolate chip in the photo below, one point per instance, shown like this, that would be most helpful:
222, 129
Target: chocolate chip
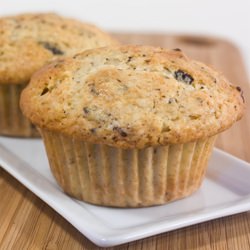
243, 99
177, 49
120, 131
93, 89
86, 110
45, 90
238, 88
171, 100
52, 48
129, 59
93, 130
241, 93
183, 77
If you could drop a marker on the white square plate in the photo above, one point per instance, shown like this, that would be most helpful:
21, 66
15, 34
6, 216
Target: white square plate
225, 191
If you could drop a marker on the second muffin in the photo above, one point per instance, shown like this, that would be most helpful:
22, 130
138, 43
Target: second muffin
28, 42
130, 126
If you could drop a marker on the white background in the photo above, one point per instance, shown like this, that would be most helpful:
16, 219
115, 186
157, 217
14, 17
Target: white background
224, 18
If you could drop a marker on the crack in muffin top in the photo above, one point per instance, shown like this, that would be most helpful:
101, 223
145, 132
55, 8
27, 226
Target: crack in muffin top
29, 41
132, 97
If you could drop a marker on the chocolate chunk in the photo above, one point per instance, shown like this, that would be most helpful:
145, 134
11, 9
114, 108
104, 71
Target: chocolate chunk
183, 77
52, 48
177, 49
120, 131
45, 90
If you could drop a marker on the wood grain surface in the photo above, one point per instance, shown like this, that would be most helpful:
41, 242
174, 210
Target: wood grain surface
26, 222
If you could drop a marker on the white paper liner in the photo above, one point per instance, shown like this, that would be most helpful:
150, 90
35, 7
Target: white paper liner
110, 176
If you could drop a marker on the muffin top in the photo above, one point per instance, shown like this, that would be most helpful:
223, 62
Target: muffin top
132, 97
29, 41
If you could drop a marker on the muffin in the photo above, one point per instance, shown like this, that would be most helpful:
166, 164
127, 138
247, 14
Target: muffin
28, 42
130, 126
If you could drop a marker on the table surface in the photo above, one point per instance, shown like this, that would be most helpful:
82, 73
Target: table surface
26, 222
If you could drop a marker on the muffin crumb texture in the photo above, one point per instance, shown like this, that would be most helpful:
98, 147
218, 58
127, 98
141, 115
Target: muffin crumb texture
132, 97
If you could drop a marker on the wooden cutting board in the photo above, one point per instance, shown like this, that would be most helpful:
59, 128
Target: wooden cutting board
26, 222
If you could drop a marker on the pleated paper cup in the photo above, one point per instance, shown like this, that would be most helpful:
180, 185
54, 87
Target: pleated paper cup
12, 121
109, 176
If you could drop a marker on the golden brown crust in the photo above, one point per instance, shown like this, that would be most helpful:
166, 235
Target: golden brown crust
29, 41
132, 97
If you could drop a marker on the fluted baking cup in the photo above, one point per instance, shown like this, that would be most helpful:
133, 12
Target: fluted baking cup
110, 176
12, 121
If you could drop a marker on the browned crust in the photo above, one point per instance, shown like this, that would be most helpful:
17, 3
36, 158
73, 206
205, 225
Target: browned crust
132, 97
